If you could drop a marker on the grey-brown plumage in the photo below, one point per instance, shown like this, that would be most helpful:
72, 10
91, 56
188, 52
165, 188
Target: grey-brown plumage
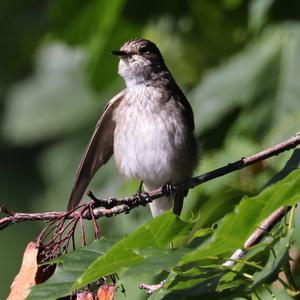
148, 126
98, 152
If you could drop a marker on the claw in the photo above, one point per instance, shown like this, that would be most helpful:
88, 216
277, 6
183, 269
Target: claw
143, 198
139, 191
168, 189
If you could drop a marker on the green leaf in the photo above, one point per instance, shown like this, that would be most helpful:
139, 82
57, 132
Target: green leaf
230, 280
202, 232
196, 276
92, 26
146, 250
292, 164
217, 206
196, 281
272, 59
85, 20
157, 233
258, 13
277, 257
237, 82
69, 268
237, 227
155, 260
271, 293
45, 105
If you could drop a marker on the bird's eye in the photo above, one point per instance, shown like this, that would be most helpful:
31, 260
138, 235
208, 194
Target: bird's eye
144, 49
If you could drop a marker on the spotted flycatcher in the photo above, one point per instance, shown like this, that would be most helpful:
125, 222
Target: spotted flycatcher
148, 127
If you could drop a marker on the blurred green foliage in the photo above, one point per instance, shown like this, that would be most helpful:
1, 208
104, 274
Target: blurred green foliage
237, 61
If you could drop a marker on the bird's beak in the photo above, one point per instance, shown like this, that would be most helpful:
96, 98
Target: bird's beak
121, 53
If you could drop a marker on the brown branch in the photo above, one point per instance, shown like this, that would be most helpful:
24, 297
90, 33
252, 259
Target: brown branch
258, 234
112, 206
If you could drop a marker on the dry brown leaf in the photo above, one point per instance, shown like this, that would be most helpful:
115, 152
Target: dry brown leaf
106, 292
30, 273
25, 279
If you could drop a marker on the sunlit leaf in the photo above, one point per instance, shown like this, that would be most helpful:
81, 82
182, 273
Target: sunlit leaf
159, 233
277, 258
237, 227
145, 250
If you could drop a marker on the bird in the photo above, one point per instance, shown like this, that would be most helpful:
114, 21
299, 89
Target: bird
148, 127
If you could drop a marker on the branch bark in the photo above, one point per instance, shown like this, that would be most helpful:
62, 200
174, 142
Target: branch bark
258, 234
112, 206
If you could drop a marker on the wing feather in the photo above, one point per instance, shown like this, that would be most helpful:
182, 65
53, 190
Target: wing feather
98, 152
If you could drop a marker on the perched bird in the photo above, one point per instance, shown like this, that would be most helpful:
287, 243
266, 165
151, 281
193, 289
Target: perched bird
148, 127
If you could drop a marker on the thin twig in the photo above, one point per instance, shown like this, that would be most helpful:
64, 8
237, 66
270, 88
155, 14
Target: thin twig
96, 227
112, 206
151, 288
258, 234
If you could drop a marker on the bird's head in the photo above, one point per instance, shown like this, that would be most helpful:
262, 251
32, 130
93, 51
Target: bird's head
140, 61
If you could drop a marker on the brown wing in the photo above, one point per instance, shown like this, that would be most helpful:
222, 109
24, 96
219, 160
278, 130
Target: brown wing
98, 152
176, 93
187, 109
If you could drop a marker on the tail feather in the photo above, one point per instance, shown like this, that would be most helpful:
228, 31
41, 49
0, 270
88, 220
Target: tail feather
178, 202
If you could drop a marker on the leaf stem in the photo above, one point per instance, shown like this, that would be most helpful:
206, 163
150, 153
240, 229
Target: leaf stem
292, 217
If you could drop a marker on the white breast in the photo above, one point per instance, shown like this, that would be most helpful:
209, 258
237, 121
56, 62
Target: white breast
147, 138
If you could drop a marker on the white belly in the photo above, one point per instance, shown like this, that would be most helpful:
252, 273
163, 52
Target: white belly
147, 140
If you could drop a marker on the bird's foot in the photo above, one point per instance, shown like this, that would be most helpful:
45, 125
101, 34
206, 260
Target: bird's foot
168, 189
144, 198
